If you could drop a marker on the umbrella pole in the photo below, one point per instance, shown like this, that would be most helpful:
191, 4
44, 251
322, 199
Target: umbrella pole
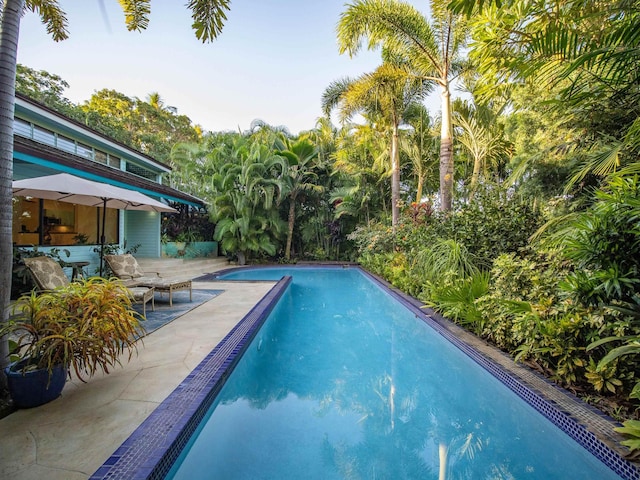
102, 236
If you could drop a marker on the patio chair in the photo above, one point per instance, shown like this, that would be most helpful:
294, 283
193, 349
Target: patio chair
127, 269
48, 275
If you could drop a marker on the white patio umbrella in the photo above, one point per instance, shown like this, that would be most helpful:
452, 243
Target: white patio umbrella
68, 188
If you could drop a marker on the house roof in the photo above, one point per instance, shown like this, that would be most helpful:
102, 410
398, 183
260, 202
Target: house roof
34, 152
28, 107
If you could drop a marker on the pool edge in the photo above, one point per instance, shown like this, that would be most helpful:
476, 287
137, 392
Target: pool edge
149, 452
529, 385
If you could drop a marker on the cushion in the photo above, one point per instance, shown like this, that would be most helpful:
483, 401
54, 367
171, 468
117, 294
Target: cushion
47, 273
124, 266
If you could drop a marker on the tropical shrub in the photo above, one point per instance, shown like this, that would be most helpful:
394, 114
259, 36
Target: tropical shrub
395, 268
514, 280
457, 300
373, 238
86, 325
604, 244
245, 193
496, 221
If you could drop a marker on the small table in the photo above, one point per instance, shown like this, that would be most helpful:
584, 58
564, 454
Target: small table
77, 267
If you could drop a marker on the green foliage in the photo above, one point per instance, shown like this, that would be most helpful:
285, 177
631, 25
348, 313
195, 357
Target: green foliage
188, 225
516, 283
86, 325
631, 430
300, 180
602, 378
494, 222
395, 268
458, 300
630, 348
604, 243
46, 88
245, 189
445, 258
149, 126
554, 341
373, 238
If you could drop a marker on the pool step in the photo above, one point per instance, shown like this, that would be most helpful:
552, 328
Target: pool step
183, 268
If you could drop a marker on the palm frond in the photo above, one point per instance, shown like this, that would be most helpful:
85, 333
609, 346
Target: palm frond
600, 163
136, 14
52, 16
208, 17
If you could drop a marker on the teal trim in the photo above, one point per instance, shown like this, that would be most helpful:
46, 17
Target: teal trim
55, 166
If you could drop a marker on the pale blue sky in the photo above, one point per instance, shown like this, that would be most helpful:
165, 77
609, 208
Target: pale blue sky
272, 62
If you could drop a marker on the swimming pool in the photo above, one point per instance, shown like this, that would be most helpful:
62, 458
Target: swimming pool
369, 390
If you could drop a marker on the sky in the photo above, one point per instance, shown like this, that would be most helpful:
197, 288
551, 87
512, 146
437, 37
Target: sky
272, 61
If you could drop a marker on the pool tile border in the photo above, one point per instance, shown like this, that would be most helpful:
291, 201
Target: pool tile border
151, 450
586, 425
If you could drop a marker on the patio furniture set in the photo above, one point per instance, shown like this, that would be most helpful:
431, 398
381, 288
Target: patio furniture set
48, 275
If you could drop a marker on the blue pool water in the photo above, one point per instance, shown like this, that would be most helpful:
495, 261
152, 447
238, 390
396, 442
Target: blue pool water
343, 382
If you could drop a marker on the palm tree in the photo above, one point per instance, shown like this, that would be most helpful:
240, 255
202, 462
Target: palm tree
430, 50
300, 177
420, 145
388, 92
208, 17
360, 165
481, 137
246, 186
587, 53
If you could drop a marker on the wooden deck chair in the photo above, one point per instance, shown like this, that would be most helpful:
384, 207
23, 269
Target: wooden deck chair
127, 269
47, 274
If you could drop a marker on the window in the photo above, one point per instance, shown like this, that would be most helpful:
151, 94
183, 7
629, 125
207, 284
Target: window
141, 172
84, 151
66, 144
114, 161
49, 222
100, 157
43, 135
22, 128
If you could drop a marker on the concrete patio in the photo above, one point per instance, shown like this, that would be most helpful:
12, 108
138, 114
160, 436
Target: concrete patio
74, 435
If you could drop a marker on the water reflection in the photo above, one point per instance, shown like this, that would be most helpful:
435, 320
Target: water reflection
361, 390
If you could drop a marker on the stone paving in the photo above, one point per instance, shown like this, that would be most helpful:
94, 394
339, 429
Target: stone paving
71, 437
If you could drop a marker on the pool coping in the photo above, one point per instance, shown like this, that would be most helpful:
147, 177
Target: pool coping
152, 448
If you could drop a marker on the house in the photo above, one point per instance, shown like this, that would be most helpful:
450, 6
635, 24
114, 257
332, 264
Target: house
46, 143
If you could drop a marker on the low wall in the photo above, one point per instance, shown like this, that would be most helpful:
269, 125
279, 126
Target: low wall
189, 249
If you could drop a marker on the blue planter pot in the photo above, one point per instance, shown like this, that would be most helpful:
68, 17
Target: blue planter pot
34, 388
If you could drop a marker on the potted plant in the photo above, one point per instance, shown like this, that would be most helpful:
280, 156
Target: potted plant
81, 239
84, 326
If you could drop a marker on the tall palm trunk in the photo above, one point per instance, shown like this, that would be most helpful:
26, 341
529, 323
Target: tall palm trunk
395, 177
446, 152
419, 188
291, 221
9, 32
475, 176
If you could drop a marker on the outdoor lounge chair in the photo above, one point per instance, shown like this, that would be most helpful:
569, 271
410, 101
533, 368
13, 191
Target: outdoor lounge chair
127, 269
48, 275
